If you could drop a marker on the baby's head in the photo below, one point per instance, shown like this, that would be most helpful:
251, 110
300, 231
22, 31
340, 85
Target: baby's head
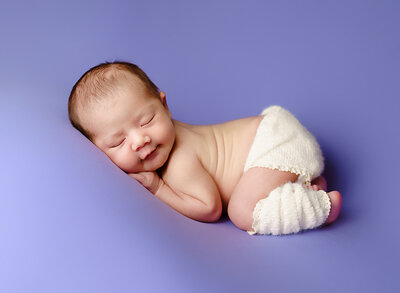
118, 108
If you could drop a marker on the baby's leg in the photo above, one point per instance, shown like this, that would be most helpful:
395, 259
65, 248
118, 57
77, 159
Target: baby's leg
258, 183
254, 185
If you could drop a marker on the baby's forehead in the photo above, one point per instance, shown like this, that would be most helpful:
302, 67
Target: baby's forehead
124, 97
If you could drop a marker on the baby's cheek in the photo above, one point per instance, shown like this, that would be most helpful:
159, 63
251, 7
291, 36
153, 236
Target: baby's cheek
167, 130
121, 161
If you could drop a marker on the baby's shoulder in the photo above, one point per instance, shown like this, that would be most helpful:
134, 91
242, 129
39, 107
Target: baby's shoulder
182, 163
182, 157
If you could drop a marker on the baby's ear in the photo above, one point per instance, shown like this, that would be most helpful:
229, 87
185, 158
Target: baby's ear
163, 99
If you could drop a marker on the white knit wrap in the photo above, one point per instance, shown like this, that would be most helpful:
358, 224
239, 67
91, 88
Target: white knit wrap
282, 143
290, 208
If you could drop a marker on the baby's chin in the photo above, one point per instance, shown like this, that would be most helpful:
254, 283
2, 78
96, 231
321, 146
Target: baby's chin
150, 167
158, 161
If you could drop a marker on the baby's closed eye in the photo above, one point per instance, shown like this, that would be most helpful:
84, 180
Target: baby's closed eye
147, 121
118, 144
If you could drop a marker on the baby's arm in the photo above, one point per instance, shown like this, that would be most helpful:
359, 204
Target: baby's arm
190, 190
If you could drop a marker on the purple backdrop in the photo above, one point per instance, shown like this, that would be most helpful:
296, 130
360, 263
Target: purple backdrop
70, 221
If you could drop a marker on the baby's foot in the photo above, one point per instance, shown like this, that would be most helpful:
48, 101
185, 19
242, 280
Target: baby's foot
334, 196
336, 204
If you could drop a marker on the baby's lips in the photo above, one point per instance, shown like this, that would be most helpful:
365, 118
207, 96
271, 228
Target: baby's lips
146, 152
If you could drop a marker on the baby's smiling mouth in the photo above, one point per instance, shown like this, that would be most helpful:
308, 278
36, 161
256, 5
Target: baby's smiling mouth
147, 153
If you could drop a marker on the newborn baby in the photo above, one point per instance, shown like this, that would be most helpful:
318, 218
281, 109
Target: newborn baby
264, 171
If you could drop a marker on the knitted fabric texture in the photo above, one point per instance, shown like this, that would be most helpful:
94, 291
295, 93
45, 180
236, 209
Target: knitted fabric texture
282, 143
290, 208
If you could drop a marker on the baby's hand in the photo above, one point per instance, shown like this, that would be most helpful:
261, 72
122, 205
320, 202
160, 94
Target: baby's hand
150, 180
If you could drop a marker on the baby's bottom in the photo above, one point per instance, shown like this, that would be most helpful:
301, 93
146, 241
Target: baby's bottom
257, 183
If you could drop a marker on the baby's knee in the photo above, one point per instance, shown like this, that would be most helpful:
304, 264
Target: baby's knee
240, 217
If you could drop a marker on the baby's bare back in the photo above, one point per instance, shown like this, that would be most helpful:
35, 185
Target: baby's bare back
219, 150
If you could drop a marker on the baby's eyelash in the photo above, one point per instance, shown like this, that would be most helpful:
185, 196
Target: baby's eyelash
144, 124
114, 146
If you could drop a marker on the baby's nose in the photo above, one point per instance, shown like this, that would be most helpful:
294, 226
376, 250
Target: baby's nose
141, 142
